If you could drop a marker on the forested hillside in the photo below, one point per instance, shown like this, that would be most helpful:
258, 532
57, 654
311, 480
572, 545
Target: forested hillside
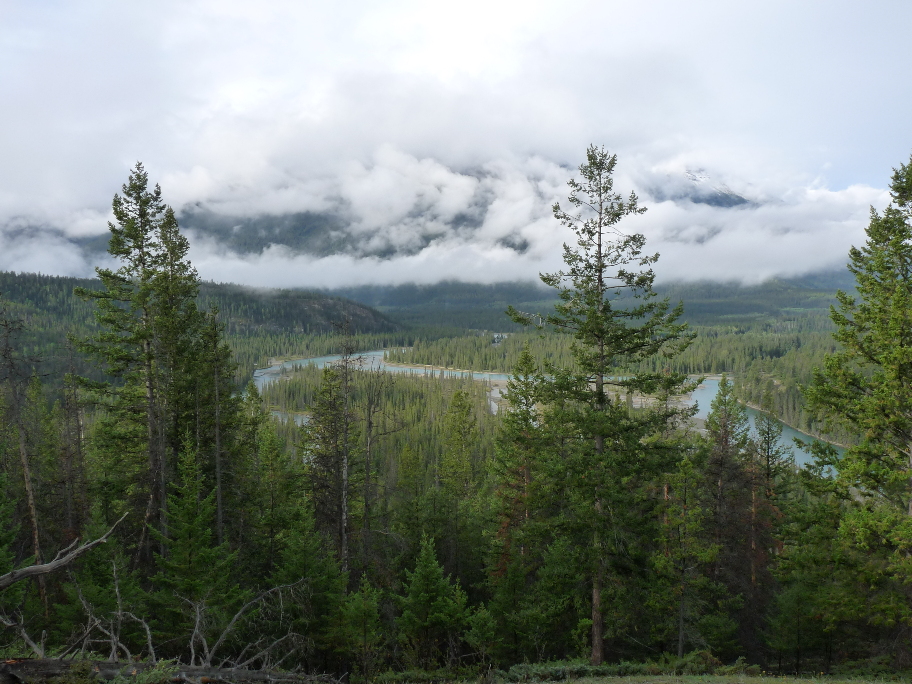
259, 324
482, 307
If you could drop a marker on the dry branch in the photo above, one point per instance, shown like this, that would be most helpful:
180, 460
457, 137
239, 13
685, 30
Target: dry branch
63, 558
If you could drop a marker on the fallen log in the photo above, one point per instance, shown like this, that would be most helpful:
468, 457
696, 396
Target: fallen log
41, 670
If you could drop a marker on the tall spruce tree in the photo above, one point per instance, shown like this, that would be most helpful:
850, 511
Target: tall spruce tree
126, 313
173, 371
517, 453
684, 590
330, 442
727, 487
867, 386
607, 303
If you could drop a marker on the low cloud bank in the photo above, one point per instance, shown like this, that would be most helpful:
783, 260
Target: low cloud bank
400, 218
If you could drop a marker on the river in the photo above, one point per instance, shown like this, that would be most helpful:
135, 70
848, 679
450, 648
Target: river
702, 396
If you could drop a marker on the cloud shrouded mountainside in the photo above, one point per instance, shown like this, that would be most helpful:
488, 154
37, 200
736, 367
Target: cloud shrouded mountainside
402, 219
346, 143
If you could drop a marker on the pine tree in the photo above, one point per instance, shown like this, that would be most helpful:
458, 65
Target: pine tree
774, 460
728, 484
361, 632
867, 387
173, 368
686, 552
306, 560
609, 306
433, 609
330, 441
126, 313
518, 451
14, 383
456, 464
194, 583
9, 530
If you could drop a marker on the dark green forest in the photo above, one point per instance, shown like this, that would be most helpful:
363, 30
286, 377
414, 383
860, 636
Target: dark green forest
372, 525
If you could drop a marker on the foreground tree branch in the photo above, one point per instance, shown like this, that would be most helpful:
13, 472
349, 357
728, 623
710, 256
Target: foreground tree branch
64, 557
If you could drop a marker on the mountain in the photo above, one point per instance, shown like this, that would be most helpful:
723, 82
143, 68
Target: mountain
51, 312
453, 303
699, 187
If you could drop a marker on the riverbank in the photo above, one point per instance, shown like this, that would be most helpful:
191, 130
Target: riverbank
815, 435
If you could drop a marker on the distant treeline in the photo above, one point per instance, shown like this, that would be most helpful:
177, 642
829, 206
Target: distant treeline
259, 324
482, 307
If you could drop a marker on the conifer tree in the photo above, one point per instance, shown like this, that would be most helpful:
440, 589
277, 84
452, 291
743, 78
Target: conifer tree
518, 450
14, 383
433, 609
361, 633
686, 552
195, 589
306, 560
727, 487
773, 459
172, 366
456, 464
126, 312
330, 442
9, 529
607, 303
867, 387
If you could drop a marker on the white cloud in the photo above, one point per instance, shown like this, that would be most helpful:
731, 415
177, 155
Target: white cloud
454, 123
803, 230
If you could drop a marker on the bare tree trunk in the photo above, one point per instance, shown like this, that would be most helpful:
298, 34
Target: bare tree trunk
681, 618
597, 627
753, 540
345, 363
598, 655
68, 476
29, 491
343, 521
156, 456
368, 465
33, 510
219, 518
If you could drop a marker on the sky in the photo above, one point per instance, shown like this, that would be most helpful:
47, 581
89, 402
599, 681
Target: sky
438, 135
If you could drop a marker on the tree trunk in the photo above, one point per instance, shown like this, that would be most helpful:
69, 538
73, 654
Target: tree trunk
597, 628
219, 519
368, 445
681, 619
343, 520
753, 541
33, 510
156, 456
29, 491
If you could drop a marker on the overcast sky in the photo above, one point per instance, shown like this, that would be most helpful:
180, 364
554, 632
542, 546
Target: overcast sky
404, 115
